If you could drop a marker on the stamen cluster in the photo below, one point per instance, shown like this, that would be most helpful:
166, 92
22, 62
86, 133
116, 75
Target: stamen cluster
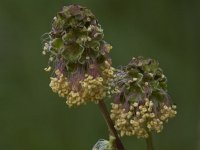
59, 84
141, 104
85, 89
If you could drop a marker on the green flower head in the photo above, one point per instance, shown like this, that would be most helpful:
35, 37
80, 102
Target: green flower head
142, 103
78, 56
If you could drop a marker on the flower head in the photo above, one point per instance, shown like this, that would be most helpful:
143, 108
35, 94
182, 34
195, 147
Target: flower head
78, 56
142, 103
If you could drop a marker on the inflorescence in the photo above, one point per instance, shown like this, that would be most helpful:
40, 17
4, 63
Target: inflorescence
82, 71
142, 103
78, 57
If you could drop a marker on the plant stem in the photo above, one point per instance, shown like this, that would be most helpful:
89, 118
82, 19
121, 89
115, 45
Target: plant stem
149, 142
110, 125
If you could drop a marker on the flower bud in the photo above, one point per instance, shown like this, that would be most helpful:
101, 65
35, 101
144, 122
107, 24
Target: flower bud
104, 144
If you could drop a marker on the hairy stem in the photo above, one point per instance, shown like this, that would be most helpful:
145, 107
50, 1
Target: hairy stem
113, 132
149, 142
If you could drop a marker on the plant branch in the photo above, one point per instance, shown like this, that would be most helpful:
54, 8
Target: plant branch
110, 125
149, 142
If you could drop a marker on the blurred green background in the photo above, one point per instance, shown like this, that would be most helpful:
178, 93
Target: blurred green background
34, 118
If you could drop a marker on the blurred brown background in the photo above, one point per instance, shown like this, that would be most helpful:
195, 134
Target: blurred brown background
33, 118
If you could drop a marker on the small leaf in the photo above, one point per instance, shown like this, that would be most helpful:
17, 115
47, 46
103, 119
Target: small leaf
73, 52
57, 43
68, 37
95, 45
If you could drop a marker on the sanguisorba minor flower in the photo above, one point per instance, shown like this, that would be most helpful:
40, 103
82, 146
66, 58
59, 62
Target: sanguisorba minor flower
142, 103
78, 56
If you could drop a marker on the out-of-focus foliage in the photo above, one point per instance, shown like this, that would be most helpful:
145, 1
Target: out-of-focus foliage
33, 118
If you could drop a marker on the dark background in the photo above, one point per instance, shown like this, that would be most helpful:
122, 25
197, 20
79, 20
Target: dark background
34, 118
